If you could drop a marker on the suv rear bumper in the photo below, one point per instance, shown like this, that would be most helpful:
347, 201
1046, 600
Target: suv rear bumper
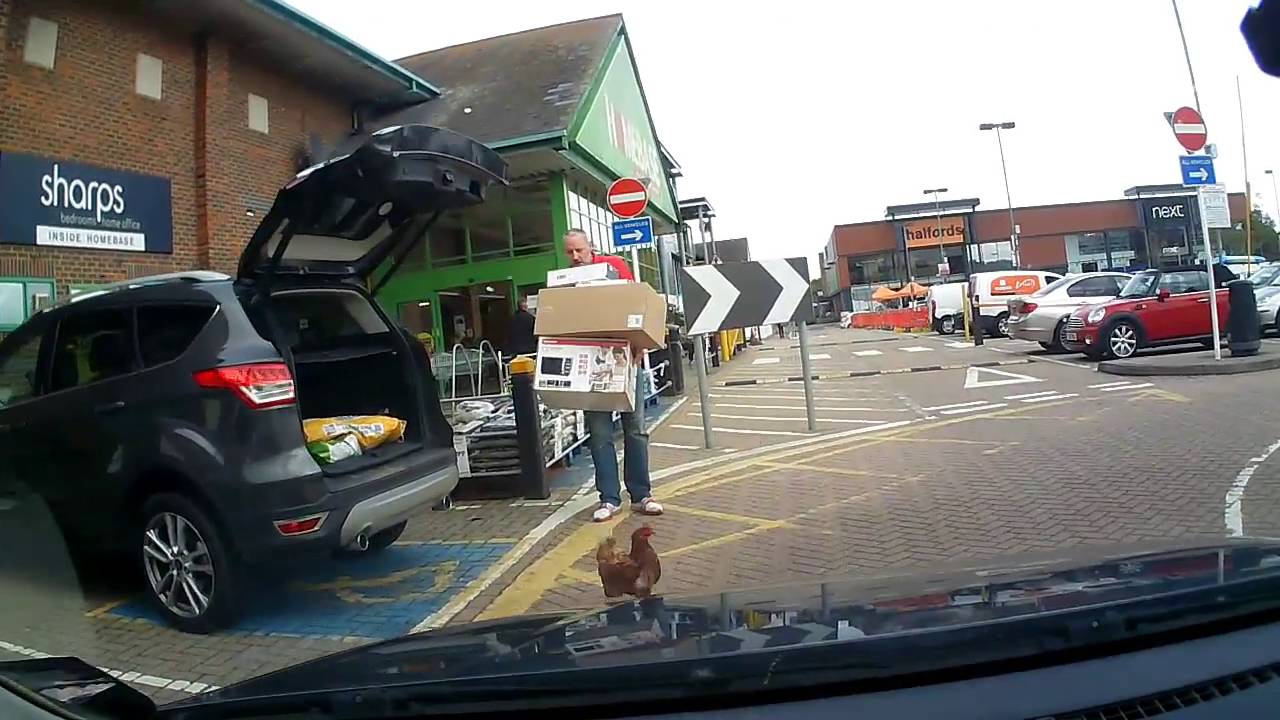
388, 508
348, 513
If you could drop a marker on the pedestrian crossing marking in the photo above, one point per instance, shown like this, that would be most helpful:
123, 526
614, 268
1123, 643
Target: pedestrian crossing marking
916, 349
866, 353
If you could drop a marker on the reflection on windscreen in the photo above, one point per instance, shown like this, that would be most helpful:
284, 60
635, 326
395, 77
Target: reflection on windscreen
1265, 276
1140, 285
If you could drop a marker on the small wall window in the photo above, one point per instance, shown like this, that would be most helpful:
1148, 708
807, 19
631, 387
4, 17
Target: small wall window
149, 80
259, 113
41, 46
20, 297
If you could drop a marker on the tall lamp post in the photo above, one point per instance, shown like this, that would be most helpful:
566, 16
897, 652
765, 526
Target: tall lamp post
1013, 227
1274, 194
937, 207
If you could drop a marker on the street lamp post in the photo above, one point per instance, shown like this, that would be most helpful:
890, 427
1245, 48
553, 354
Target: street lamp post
1013, 227
937, 207
1274, 194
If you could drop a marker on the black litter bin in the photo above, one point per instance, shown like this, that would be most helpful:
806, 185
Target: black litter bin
1243, 332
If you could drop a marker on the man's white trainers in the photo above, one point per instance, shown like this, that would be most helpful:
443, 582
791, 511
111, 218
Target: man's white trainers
648, 506
604, 512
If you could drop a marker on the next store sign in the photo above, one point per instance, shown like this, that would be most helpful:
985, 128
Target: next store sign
56, 203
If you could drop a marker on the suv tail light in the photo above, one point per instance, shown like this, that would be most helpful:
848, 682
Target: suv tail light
258, 385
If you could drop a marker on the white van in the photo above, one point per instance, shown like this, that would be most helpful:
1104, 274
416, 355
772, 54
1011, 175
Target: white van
946, 306
992, 292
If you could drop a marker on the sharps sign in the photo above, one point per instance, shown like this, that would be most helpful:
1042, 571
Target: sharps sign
55, 203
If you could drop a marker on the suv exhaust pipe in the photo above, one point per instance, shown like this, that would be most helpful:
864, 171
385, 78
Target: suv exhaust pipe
361, 541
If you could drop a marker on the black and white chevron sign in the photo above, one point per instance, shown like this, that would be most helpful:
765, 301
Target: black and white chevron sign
745, 294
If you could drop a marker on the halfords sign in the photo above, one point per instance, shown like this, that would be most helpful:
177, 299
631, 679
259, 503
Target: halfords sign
924, 233
54, 203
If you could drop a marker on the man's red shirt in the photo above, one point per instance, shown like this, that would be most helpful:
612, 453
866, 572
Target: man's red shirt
618, 264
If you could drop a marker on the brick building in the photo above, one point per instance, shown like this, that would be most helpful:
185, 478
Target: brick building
161, 131
1152, 225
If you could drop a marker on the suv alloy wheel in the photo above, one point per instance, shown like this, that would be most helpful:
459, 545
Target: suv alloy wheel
186, 564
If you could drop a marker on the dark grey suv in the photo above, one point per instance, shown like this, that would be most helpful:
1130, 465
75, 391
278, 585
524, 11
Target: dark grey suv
163, 416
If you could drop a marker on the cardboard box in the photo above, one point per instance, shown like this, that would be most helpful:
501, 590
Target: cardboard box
586, 374
626, 311
576, 275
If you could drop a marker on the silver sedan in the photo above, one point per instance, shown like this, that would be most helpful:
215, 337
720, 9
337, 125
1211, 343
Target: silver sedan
1039, 316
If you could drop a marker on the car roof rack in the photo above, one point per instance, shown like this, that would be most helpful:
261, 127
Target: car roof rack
189, 276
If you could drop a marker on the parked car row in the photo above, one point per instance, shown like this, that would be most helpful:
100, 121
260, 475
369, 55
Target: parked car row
1104, 314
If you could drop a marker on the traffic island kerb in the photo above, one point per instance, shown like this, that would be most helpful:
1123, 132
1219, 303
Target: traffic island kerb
1192, 363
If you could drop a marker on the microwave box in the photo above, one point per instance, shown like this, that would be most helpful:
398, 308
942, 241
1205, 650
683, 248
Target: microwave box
586, 374
576, 275
630, 311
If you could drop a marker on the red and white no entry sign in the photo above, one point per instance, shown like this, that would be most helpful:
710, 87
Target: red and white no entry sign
1188, 127
627, 197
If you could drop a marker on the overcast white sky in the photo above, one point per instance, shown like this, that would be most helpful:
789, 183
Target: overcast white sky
801, 116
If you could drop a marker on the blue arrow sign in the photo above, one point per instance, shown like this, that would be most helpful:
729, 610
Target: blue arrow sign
635, 232
1197, 170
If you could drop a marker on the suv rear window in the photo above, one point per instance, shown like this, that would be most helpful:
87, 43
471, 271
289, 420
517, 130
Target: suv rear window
166, 331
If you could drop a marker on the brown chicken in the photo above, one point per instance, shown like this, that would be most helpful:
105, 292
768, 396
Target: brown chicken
629, 574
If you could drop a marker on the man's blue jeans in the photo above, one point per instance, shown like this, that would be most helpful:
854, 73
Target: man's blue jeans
604, 454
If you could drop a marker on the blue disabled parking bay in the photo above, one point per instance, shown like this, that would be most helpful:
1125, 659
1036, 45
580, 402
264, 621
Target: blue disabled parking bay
379, 595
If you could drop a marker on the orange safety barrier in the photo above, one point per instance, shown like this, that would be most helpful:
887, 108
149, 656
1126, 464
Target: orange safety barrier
907, 319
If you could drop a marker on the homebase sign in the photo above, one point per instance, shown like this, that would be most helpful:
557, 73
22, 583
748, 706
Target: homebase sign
55, 203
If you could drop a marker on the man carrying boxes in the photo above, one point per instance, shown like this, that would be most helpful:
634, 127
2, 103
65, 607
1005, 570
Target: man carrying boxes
594, 323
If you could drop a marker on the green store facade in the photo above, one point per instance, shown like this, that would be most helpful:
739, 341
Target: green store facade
573, 95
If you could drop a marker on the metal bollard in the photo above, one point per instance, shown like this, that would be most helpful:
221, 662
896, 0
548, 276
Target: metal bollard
533, 466
675, 366
1243, 333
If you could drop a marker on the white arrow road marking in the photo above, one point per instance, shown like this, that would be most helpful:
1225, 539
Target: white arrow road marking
794, 288
973, 378
722, 295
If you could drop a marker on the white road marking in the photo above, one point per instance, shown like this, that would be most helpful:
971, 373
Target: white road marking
1041, 358
674, 446
766, 361
788, 417
801, 407
959, 344
973, 378
736, 431
1127, 386
1232, 510
866, 353
979, 408
916, 348
195, 688
1027, 395
954, 405
1046, 398
819, 356
1108, 384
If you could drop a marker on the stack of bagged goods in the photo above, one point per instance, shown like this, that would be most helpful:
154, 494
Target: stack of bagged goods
330, 439
587, 327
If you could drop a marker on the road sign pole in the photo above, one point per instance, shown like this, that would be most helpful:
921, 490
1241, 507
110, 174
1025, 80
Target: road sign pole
700, 364
1213, 286
808, 375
